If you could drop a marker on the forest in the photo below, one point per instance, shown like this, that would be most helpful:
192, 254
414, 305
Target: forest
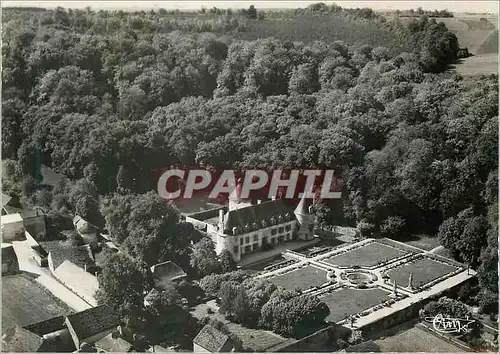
107, 98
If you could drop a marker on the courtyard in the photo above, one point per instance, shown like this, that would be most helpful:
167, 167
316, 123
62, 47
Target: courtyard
346, 302
424, 271
301, 278
368, 255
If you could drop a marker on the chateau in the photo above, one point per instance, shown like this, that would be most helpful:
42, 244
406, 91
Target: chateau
244, 227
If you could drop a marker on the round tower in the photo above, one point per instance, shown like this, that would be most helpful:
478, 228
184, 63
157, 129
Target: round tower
305, 217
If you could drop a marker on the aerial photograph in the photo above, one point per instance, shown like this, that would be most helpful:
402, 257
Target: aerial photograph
249, 176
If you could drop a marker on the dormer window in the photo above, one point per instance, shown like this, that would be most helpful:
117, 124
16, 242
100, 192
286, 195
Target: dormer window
235, 231
280, 218
255, 226
273, 220
264, 223
287, 216
247, 227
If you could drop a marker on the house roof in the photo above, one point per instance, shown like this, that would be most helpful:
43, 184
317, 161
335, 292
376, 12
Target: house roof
19, 339
113, 345
365, 347
6, 199
93, 321
151, 295
47, 326
11, 218
8, 253
240, 218
80, 281
211, 339
83, 226
63, 251
167, 271
28, 214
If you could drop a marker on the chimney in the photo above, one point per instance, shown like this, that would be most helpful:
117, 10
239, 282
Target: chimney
221, 216
85, 267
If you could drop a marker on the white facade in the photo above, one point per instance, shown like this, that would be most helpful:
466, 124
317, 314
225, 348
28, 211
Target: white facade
12, 227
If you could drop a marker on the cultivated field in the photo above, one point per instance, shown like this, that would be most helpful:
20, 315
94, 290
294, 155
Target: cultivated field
347, 302
366, 256
24, 302
302, 279
424, 270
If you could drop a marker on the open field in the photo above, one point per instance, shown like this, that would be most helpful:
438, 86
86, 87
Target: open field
414, 340
366, 256
303, 278
483, 64
24, 302
424, 270
347, 302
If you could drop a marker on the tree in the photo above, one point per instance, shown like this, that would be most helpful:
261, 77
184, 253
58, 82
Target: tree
252, 12
227, 262
123, 284
204, 259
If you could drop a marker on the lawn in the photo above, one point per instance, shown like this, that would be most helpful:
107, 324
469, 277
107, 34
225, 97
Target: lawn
302, 278
366, 256
347, 302
415, 340
424, 270
424, 242
24, 302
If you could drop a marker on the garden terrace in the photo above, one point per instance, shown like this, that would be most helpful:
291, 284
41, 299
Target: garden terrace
425, 270
300, 278
368, 255
347, 302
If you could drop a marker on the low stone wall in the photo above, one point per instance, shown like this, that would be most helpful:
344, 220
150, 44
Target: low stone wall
316, 342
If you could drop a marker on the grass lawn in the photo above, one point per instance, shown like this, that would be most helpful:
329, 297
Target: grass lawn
347, 302
302, 278
415, 340
24, 302
424, 270
424, 242
366, 256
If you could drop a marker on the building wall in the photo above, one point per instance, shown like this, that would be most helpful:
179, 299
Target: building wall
13, 231
35, 225
199, 349
250, 242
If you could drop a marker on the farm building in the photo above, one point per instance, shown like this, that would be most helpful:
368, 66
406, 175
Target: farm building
10, 263
12, 228
211, 340
91, 325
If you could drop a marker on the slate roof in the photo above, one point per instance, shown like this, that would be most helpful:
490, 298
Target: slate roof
93, 321
151, 295
19, 339
167, 271
47, 326
303, 206
63, 251
256, 214
114, 345
83, 226
365, 347
8, 253
211, 339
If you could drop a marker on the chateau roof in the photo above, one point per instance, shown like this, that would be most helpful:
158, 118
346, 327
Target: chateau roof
62, 251
256, 214
167, 271
8, 253
303, 206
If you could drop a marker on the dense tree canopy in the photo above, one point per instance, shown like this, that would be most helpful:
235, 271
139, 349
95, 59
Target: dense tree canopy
108, 98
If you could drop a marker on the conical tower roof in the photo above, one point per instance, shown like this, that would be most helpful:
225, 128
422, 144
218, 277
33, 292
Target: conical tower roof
305, 202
